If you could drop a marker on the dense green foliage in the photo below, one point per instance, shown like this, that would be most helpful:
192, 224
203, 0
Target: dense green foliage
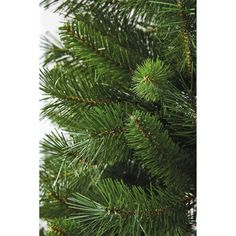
120, 87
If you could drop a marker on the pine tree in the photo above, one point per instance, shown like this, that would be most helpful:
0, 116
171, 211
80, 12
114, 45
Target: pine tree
120, 86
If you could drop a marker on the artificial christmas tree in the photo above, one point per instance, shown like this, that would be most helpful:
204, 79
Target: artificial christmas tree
121, 88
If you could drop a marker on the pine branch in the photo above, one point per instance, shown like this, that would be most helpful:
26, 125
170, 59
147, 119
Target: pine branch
153, 17
150, 78
62, 174
54, 53
155, 149
152, 81
63, 227
92, 56
108, 19
121, 86
101, 138
181, 6
105, 46
127, 211
66, 95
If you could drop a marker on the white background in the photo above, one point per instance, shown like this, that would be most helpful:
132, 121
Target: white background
19, 125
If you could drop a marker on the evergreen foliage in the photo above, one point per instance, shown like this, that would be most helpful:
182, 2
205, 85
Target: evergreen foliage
120, 87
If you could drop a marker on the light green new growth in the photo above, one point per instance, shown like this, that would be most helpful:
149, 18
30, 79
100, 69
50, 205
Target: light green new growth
150, 79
